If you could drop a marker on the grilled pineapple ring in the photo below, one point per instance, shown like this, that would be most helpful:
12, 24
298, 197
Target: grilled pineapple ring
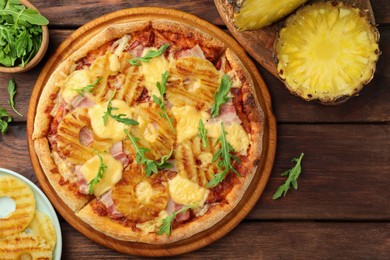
24, 199
140, 198
327, 52
195, 162
192, 81
68, 137
153, 131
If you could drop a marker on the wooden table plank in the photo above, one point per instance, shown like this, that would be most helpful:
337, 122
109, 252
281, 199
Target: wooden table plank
268, 240
76, 13
345, 171
372, 106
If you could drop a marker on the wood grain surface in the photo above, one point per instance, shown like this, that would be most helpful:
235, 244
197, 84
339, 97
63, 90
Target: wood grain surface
341, 210
253, 191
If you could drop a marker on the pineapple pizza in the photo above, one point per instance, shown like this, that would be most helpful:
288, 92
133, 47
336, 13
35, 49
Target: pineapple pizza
151, 132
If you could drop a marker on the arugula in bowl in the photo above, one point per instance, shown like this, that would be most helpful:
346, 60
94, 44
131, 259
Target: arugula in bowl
20, 33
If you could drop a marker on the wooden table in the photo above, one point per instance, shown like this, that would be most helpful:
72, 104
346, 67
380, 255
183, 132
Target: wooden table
342, 207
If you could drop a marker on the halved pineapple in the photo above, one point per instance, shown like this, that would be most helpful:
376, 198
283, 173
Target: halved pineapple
255, 14
68, 137
327, 52
138, 197
192, 81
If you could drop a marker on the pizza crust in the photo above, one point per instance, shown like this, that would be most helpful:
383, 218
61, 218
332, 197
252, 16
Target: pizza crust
66, 192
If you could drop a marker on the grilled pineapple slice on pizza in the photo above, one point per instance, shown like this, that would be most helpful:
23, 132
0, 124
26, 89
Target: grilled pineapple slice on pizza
24, 246
153, 131
117, 74
327, 52
138, 197
24, 199
194, 161
43, 228
68, 137
192, 81
255, 14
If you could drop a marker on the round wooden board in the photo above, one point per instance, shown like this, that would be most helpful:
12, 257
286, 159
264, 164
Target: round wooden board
260, 43
79, 38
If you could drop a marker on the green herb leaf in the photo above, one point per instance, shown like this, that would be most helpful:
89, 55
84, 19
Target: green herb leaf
149, 55
225, 153
202, 133
160, 101
293, 175
102, 168
12, 91
20, 33
167, 222
88, 88
5, 118
150, 165
221, 97
119, 117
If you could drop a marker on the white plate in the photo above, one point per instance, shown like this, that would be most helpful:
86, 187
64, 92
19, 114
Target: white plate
44, 205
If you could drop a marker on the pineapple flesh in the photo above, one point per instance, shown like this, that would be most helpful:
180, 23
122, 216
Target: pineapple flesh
327, 52
255, 14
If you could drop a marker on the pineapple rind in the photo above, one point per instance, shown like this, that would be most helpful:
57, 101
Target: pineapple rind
327, 52
255, 14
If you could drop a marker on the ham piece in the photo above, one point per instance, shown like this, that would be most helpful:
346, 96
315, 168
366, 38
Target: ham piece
136, 49
106, 199
117, 152
173, 207
196, 51
82, 102
227, 114
86, 136
81, 181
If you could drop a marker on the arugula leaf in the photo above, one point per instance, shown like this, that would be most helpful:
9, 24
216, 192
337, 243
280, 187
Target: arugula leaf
226, 157
160, 101
149, 55
293, 175
12, 91
20, 33
150, 165
5, 118
202, 133
88, 88
102, 168
221, 97
167, 222
119, 117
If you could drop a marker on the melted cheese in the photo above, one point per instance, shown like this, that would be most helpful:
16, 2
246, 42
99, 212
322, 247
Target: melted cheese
113, 129
144, 192
185, 192
152, 71
187, 118
235, 135
76, 80
153, 225
112, 174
